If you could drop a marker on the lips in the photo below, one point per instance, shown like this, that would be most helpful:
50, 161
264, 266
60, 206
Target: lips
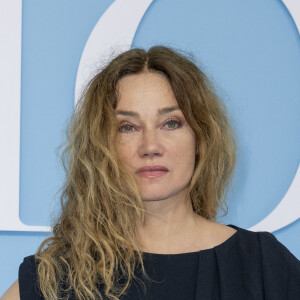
152, 169
152, 172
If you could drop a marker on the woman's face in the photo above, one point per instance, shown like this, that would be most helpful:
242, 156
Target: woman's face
155, 142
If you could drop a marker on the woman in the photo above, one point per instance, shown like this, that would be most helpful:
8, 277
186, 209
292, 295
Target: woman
149, 159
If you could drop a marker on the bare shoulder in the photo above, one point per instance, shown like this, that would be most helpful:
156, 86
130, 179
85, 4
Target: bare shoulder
12, 293
223, 229
218, 233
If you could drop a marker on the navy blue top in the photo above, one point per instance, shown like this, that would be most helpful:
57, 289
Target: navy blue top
248, 265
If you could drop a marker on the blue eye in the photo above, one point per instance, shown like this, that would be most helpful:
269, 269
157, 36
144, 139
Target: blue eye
172, 124
126, 128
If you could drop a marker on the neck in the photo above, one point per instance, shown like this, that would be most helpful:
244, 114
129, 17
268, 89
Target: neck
170, 225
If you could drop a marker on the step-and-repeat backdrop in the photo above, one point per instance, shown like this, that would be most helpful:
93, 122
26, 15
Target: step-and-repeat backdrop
250, 50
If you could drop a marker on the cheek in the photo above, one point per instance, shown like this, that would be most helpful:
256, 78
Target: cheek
185, 156
126, 153
184, 153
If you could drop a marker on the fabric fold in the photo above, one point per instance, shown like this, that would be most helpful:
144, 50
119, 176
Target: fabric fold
247, 266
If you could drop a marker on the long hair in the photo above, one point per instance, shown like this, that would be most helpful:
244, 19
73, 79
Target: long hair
94, 242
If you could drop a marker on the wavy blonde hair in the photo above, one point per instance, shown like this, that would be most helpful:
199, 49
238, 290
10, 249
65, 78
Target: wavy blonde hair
94, 242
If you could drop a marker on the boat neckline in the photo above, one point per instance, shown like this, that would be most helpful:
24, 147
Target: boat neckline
229, 240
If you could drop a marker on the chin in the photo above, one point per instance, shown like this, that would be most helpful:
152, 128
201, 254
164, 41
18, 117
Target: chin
154, 196
157, 196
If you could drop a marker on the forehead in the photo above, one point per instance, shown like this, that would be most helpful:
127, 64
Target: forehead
150, 89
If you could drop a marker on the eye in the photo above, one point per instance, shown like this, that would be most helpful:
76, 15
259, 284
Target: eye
172, 124
126, 128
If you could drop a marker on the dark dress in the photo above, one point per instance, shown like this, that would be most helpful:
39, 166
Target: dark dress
248, 265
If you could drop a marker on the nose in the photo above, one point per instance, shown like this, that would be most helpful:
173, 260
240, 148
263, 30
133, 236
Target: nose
151, 144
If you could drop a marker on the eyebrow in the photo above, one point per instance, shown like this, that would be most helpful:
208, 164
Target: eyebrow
161, 111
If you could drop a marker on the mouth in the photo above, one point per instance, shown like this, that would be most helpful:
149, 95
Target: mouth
152, 172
